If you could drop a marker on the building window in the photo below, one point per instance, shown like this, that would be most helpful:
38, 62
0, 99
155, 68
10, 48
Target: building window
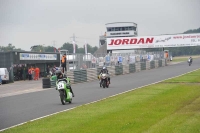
108, 29
126, 28
116, 28
130, 28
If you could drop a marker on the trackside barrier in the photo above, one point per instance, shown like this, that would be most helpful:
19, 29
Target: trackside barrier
71, 76
53, 83
111, 70
143, 65
147, 65
163, 62
91, 74
132, 68
119, 70
160, 63
85, 75
137, 67
152, 64
156, 64
125, 69
80, 76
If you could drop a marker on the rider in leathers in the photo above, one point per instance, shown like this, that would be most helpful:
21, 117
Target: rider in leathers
105, 70
61, 76
190, 58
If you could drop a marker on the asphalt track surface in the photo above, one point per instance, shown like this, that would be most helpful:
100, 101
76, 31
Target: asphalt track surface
21, 108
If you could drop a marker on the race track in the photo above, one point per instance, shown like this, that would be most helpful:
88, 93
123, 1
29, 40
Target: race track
21, 108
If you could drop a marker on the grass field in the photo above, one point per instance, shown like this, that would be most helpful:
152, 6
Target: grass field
172, 106
183, 58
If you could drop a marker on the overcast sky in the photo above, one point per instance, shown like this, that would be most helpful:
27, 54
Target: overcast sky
25, 23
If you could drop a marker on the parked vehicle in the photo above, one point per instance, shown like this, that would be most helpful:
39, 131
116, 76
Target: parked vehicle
4, 75
0, 80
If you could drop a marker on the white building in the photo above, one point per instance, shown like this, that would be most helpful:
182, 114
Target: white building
117, 29
121, 29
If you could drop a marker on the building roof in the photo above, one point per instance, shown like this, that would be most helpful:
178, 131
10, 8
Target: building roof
120, 22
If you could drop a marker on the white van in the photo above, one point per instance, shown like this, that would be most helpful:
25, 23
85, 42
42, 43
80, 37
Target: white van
4, 75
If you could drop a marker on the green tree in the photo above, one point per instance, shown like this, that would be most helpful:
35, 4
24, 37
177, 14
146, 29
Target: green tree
10, 47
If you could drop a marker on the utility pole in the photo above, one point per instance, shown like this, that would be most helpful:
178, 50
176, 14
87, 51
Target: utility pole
73, 38
54, 43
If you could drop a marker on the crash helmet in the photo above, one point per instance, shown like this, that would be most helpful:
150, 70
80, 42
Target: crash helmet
58, 72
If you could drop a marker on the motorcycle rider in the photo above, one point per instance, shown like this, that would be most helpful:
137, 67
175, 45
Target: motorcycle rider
61, 76
190, 59
105, 70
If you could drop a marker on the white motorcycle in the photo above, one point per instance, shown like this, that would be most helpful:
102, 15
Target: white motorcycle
104, 80
190, 62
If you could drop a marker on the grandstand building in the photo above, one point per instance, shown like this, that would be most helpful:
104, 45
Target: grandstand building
116, 29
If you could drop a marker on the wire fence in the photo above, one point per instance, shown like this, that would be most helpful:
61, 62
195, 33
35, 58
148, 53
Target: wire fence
85, 61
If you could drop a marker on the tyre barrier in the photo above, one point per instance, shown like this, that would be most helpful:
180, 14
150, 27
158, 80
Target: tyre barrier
46, 83
163, 62
160, 63
111, 70
143, 66
53, 83
118, 70
147, 65
156, 64
131, 68
138, 67
86, 75
80, 76
125, 69
152, 64
91, 74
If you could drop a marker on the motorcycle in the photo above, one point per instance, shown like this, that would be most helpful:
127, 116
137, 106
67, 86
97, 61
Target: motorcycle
50, 74
64, 90
190, 62
104, 80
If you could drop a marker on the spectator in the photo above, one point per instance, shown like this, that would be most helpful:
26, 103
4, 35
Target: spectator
36, 73
33, 72
63, 61
24, 73
48, 67
30, 73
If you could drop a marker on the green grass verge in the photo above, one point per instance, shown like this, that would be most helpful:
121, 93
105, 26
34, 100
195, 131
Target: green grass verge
183, 58
172, 106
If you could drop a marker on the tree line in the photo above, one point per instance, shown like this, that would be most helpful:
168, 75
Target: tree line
42, 48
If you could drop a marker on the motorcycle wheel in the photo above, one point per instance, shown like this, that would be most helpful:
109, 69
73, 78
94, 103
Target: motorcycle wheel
62, 97
107, 84
104, 84
100, 84
70, 101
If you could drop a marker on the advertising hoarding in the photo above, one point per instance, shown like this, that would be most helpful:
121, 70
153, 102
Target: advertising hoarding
30, 56
178, 40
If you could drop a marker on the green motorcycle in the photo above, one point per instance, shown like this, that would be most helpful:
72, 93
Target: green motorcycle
63, 86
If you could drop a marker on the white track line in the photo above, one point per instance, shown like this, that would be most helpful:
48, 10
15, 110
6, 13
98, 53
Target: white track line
94, 101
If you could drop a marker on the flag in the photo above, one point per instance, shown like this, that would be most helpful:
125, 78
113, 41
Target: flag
74, 47
85, 47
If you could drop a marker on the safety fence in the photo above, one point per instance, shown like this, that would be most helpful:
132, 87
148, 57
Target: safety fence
85, 61
79, 76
